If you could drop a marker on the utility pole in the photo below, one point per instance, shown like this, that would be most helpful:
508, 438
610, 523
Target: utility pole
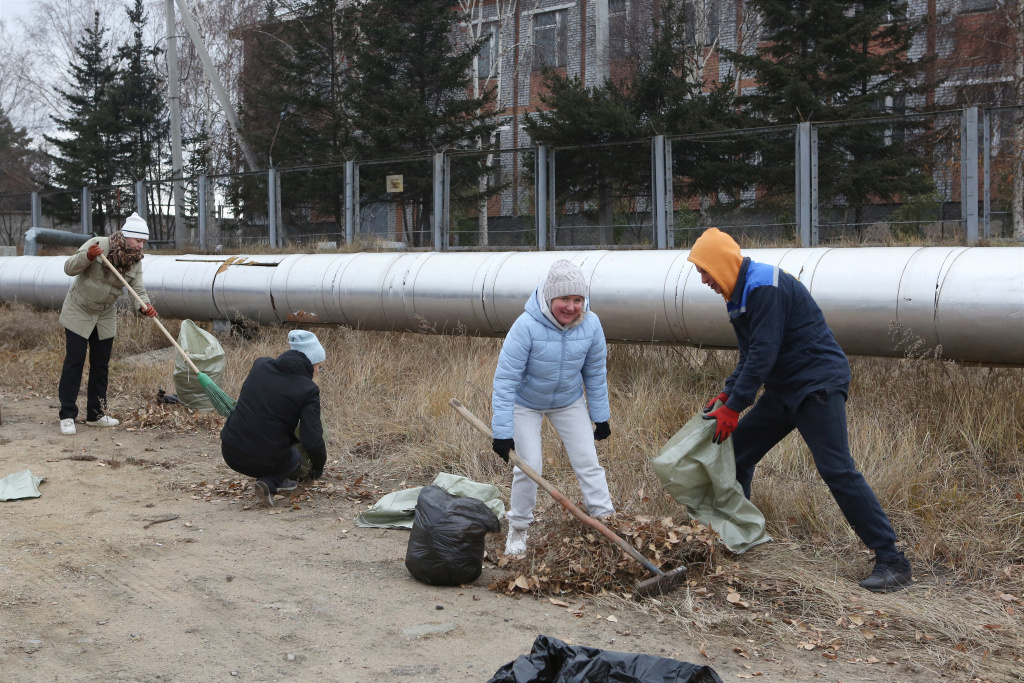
218, 87
174, 102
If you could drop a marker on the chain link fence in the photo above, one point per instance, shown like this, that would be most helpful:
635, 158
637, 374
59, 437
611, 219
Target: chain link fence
882, 180
740, 181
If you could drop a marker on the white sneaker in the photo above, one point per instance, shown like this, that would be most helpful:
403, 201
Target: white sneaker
104, 421
67, 426
515, 544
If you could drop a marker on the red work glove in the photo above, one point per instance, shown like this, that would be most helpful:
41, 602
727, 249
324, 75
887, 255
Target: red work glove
148, 310
94, 251
723, 397
727, 420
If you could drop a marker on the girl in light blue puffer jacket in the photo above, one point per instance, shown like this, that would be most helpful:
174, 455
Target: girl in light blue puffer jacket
553, 351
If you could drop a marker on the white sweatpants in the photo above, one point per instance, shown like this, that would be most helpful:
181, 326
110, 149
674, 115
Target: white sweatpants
574, 428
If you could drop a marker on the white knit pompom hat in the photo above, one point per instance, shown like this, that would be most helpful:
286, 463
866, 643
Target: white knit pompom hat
135, 226
307, 343
564, 279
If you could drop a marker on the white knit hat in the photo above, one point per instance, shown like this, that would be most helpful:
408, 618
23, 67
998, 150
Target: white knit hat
307, 343
135, 227
564, 279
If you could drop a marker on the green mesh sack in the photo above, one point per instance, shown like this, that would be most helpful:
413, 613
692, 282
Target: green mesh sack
208, 355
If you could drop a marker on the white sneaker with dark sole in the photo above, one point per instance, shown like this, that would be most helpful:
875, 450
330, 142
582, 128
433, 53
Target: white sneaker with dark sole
104, 421
67, 427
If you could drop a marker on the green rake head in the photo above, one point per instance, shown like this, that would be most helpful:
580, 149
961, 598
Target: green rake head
222, 403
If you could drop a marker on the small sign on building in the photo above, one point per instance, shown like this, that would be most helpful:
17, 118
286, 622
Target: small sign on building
394, 183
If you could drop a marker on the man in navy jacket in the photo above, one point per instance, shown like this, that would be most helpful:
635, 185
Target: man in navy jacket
786, 346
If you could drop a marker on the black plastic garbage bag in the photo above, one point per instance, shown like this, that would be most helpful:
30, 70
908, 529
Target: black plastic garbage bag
552, 661
446, 544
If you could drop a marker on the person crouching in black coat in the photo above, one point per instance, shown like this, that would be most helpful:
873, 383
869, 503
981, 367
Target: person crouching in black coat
275, 433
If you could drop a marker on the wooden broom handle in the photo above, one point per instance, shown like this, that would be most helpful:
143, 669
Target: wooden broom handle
142, 303
555, 493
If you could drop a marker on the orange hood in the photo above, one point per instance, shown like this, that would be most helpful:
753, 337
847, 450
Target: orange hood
719, 255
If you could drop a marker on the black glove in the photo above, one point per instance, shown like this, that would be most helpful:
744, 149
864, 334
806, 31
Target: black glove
602, 432
316, 473
502, 447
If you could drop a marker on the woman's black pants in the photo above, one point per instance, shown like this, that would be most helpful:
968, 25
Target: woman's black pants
71, 375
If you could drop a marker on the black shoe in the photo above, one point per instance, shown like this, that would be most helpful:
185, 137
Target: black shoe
287, 485
888, 576
263, 495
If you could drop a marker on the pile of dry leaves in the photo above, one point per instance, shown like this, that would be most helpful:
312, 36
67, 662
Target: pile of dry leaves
241, 489
565, 557
173, 417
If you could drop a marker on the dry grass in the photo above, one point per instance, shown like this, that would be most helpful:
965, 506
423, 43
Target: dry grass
939, 441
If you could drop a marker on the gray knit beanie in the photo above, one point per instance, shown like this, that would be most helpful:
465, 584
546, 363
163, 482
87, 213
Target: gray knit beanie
306, 342
564, 279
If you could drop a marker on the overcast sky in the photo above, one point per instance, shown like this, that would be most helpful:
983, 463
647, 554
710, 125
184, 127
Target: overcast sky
9, 9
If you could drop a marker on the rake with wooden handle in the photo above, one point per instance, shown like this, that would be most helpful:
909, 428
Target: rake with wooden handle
223, 403
662, 582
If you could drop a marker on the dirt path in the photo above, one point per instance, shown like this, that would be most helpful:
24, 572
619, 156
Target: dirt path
88, 592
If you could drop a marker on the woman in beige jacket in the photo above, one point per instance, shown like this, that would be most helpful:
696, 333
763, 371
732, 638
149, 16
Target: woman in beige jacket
90, 319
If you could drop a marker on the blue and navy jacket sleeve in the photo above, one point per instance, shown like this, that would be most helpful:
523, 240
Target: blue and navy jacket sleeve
515, 352
595, 375
764, 331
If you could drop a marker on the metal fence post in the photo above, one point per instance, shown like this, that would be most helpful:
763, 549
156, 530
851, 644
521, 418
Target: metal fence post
814, 185
37, 211
552, 205
439, 201
282, 232
202, 211
803, 183
86, 211
986, 160
541, 198
658, 185
670, 201
141, 205
349, 202
272, 207
969, 173
357, 209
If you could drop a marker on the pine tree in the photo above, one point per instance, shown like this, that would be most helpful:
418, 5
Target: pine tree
405, 90
15, 157
90, 148
139, 104
17, 161
835, 60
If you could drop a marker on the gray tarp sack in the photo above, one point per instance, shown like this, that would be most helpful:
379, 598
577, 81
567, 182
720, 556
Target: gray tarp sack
208, 355
702, 476
20, 485
397, 510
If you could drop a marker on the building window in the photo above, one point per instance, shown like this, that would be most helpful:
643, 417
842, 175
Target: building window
702, 22
488, 58
977, 5
549, 39
617, 30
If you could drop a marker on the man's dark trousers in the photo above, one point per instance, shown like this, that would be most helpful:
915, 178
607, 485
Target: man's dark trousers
71, 375
821, 421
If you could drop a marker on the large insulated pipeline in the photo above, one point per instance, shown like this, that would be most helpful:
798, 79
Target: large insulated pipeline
968, 301
62, 238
